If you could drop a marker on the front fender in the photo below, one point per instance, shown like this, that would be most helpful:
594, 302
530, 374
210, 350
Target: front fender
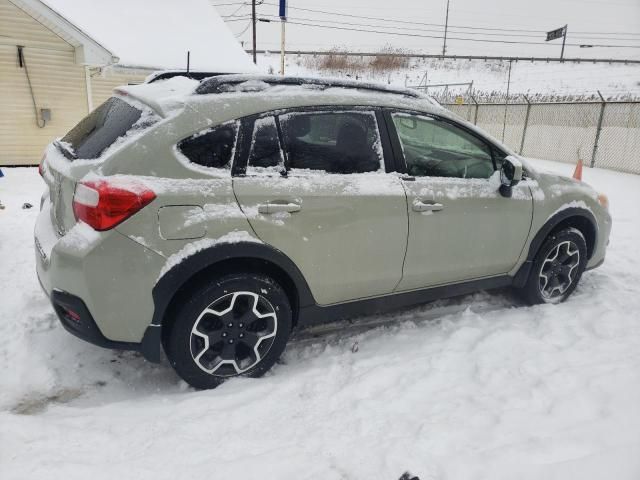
552, 222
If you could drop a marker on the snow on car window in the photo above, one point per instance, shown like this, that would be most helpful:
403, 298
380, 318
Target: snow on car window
265, 155
213, 148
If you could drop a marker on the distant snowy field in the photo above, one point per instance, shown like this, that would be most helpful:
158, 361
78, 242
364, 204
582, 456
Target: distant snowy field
529, 78
496, 391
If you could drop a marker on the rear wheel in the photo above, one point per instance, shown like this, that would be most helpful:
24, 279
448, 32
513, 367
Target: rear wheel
557, 268
237, 325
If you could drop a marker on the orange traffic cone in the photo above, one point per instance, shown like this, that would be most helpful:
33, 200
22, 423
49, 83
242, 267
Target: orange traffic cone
577, 173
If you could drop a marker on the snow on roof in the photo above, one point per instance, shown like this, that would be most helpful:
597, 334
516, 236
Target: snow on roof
158, 34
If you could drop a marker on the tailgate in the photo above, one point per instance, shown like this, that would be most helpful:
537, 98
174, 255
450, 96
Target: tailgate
61, 180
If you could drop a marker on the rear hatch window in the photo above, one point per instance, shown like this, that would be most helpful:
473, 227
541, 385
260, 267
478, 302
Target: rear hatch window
101, 128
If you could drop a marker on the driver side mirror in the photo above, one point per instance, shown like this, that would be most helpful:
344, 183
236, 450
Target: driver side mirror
510, 175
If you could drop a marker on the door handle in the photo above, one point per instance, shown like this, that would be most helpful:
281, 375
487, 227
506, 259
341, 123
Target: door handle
420, 206
268, 208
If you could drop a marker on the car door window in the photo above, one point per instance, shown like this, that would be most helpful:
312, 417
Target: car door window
265, 154
436, 148
334, 142
212, 148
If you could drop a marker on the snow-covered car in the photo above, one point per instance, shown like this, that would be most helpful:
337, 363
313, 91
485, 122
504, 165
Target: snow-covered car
212, 218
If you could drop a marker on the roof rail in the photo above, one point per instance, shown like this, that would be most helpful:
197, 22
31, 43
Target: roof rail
227, 83
167, 74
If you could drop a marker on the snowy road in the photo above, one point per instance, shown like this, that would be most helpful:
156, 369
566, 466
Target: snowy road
493, 391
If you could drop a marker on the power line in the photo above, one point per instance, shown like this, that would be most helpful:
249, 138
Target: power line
239, 19
225, 4
245, 29
236, 10
451, 38
408, 22
336, 22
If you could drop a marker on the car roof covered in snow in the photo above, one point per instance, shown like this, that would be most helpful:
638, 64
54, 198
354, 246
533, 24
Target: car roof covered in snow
234, 92
158, 34
227, 97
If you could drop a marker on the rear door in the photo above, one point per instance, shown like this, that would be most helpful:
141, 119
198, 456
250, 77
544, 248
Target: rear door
315, 188
460, 227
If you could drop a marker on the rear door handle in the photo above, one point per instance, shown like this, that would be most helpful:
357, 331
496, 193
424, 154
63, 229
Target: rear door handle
420, 206
274, 207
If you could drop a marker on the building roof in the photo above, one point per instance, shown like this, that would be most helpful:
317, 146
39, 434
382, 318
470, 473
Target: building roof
143, 34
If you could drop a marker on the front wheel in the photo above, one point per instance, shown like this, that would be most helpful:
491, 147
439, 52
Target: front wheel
237, 325
557, 268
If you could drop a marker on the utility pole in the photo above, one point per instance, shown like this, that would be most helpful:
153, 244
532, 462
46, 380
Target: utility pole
446, 26
282, 13
564, 39
283, 23
253, 22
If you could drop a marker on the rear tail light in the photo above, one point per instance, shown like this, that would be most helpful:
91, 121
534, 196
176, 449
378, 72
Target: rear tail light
104, 204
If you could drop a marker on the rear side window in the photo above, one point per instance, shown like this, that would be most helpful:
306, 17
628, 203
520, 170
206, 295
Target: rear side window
212, 148
100, 129
265, 153
335, 142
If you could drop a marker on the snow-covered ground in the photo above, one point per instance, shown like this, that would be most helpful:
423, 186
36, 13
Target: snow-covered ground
614, 81
497, 391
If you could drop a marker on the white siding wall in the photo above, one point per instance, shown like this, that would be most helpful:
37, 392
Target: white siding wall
58, 84
103, 83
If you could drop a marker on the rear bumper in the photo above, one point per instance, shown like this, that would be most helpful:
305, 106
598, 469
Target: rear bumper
77, 320
105, 279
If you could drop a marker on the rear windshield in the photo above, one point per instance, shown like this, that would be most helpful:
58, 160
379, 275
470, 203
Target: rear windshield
100, 129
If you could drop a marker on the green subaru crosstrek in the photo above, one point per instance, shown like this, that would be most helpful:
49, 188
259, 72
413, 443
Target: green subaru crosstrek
212, 218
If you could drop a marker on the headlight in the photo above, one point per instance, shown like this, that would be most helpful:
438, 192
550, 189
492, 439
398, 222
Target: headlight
603, 200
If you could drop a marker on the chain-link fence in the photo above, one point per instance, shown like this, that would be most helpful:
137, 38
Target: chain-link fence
602, 134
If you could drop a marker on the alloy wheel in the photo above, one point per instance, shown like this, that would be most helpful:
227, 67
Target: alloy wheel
233, 333
559, 270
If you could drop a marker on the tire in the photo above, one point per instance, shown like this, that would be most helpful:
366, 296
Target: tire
557, 268
238, 325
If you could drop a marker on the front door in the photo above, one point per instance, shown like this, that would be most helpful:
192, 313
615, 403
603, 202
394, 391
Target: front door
460, 227
330, 207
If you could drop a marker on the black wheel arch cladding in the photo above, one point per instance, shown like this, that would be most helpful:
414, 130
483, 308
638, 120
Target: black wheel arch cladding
576, 217
171, 282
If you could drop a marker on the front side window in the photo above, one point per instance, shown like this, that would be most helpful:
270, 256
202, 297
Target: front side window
212, 148
435, 148
265, 153
335, 142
